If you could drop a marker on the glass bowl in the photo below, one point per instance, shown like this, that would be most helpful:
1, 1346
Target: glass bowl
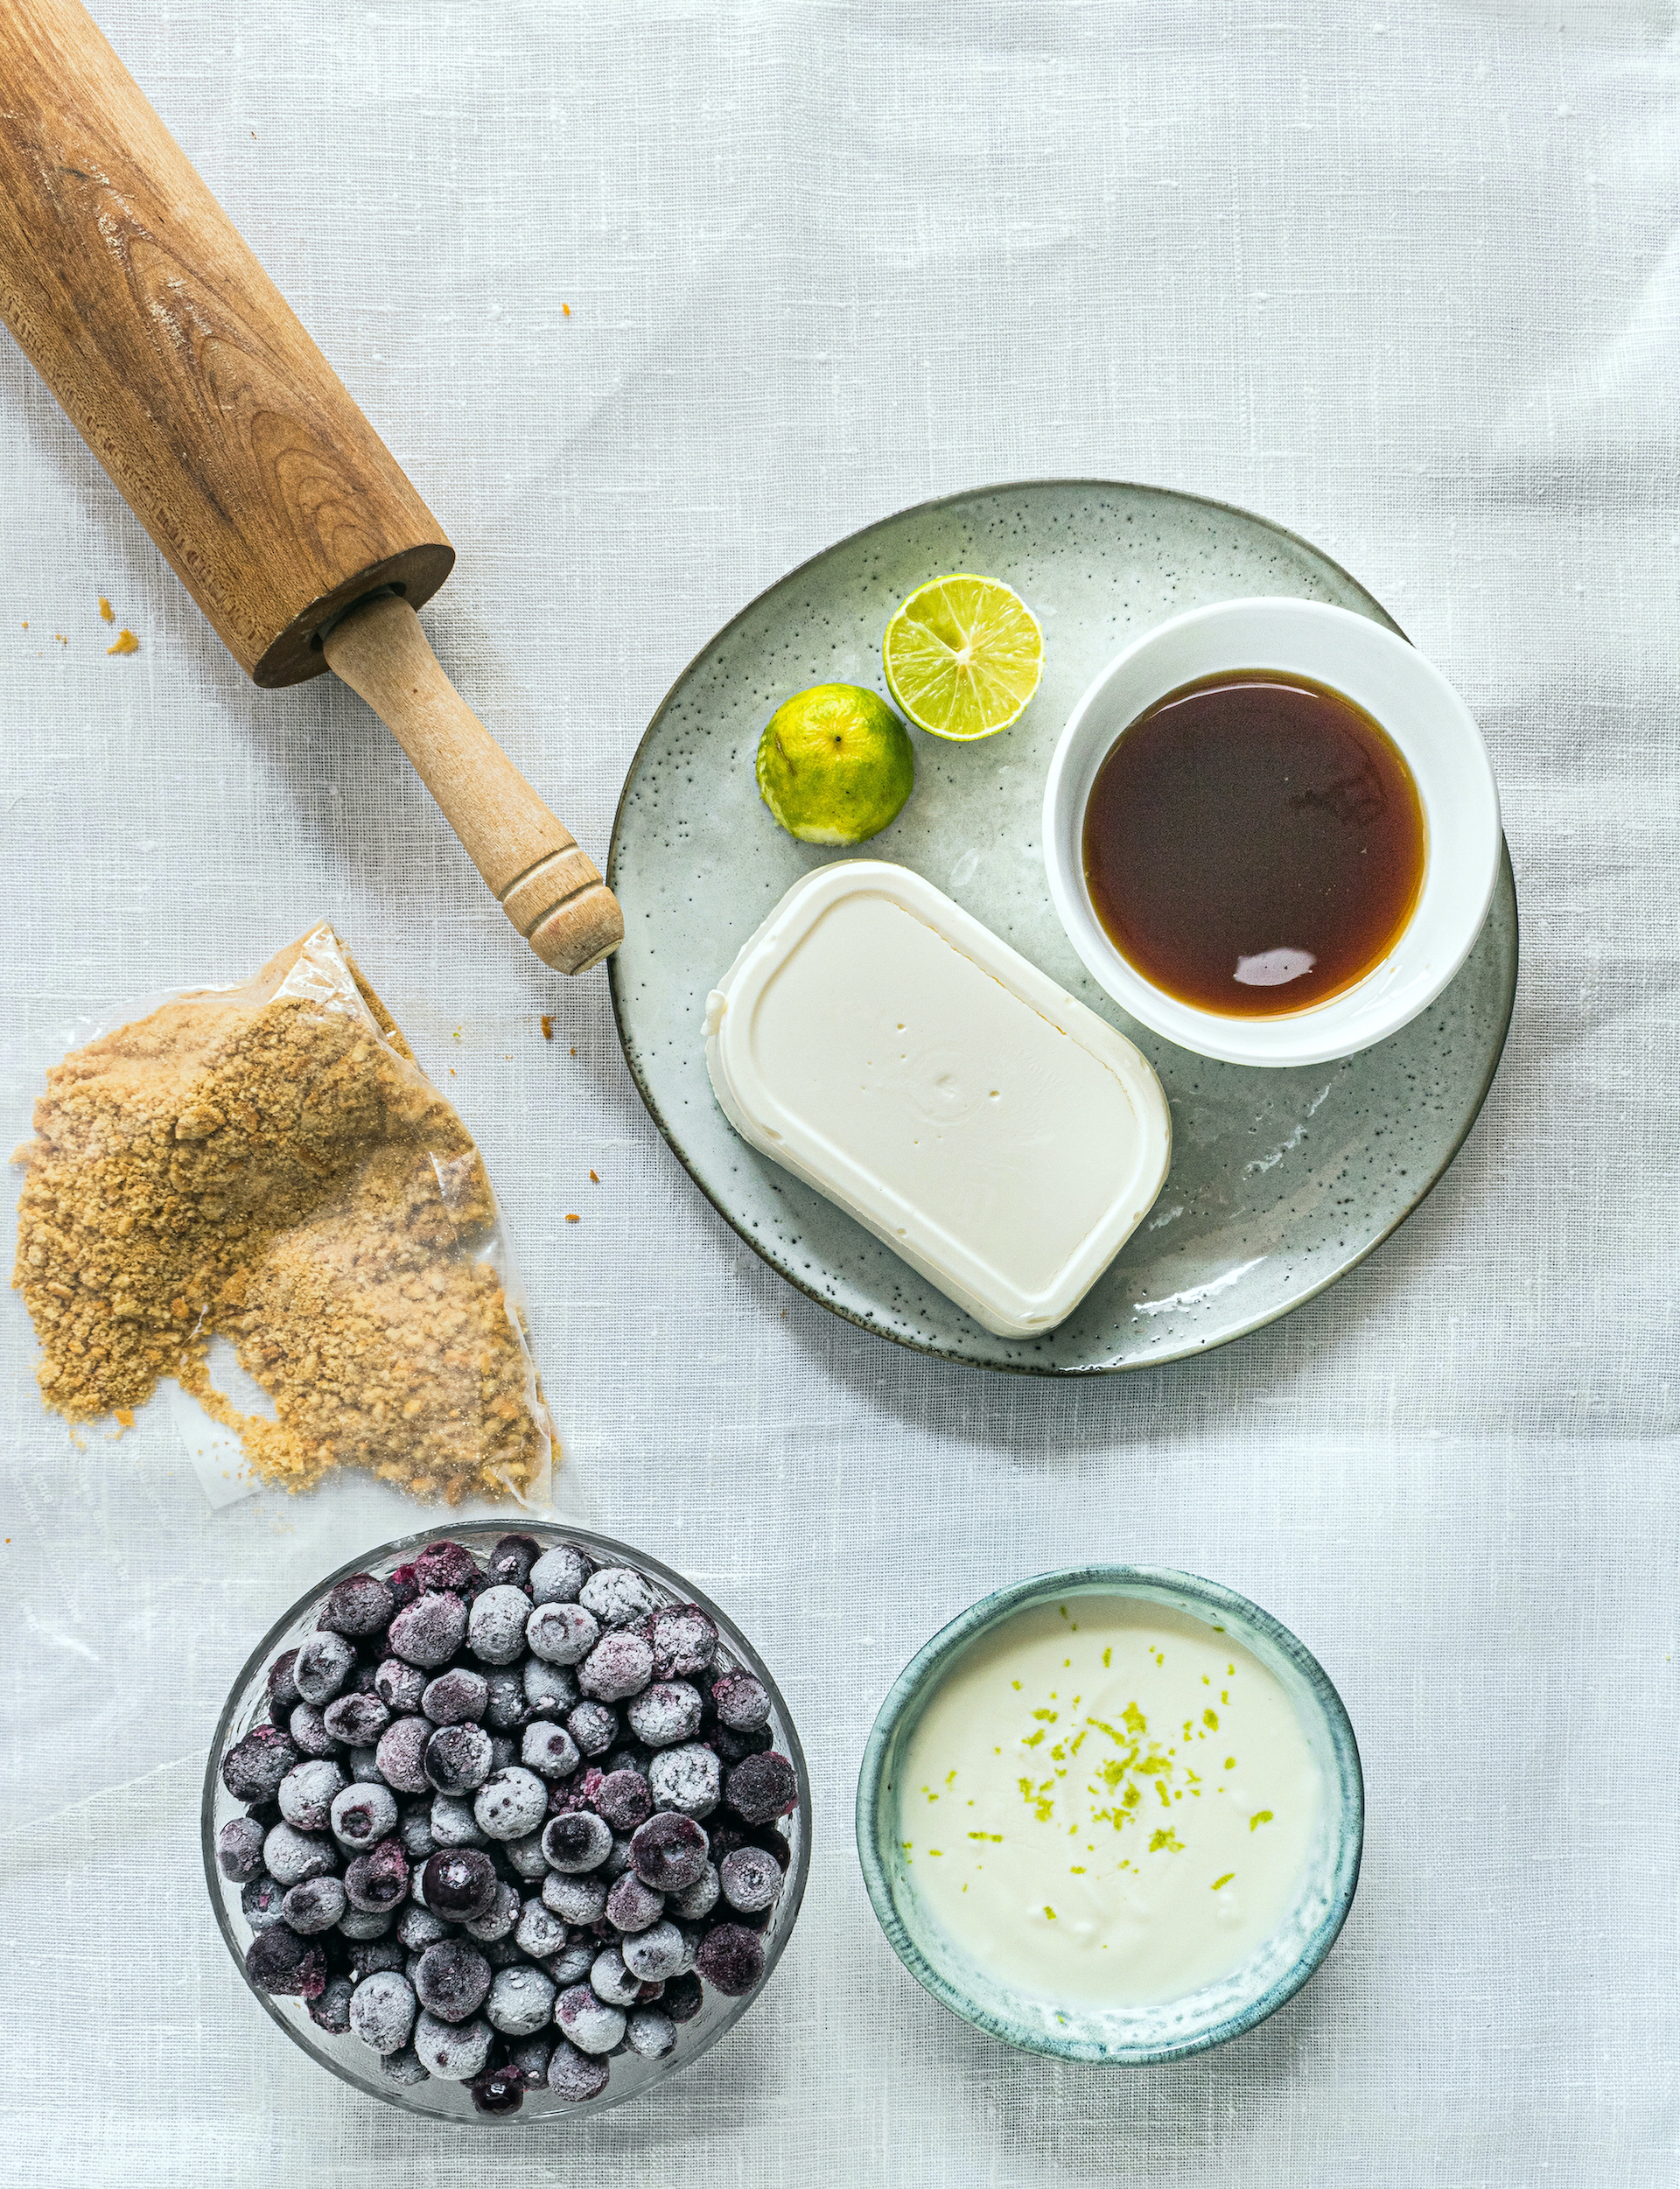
346, 2057
1119, 2035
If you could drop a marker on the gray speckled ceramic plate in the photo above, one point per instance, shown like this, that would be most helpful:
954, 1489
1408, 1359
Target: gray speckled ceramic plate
1281, 1181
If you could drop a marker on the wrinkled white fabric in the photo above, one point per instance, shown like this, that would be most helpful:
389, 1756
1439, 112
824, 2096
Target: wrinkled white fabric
1405, 278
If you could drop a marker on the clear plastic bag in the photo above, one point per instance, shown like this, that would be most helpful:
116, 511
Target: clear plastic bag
269, 1164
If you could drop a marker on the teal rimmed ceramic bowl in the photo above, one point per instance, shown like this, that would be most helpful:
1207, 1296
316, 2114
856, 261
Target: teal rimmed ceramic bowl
1121, 2036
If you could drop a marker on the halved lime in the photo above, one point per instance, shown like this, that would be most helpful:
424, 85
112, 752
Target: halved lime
964, 655
834, 764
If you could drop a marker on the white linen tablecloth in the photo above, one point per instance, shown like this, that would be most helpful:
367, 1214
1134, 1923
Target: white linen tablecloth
1405, 278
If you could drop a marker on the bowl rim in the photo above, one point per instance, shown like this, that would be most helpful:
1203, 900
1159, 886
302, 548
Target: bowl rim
1319, 1034
558, 1531
927, 1670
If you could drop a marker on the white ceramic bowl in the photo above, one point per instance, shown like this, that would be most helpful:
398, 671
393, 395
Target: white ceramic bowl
1440, 742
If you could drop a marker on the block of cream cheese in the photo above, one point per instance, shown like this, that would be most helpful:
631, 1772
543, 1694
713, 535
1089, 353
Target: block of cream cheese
891, 1052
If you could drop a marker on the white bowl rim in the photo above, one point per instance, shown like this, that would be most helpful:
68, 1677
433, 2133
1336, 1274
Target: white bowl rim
1359, 1017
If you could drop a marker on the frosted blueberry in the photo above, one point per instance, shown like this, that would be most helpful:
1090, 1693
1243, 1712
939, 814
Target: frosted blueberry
688, 1779
575, 1901
399, 1686
429, 1630
382, 2008
669, 1851
562, 1634
574, 2074
458, 1758
331, 2011
253, 1768
290, 1856
683, 1641
531, 2056
572, 1963
740, 1701
548, 1749
505, 1708
362, 1815
512, 1804
453, 1823
591, 2025
414, 1831
619, 1665
261, 1901
526, 1855
559, 1575
278, 1961
751, 1880
308, 1731
360, 1605
324, 1663
762, 1787
610, 1978
364, 1923
458, 1882
665, 1713
454, 1698
699, 1899
520, 2001
498, 1920
418, 1927
447, 1564
316, 1904
654, 1953
550, 1690
594, 1727
539, 1932
502, 1752
509, 1564
498, 2091
405, 2066
576, 1841
683, 1997
358, 1720
238, 1849
631, 1906
401, 1754
617, 1596
731, 1958
651, 2032
495, 1626
452, 1980
282, 1689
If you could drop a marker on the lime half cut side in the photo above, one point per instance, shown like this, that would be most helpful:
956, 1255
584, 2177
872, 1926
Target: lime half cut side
964, 655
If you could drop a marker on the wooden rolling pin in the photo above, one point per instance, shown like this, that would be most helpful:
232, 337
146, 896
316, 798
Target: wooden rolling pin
237, 446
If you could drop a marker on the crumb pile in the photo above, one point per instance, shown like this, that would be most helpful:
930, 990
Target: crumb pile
270, 1164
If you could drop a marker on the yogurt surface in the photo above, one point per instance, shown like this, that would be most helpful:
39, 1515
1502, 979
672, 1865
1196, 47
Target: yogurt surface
1109, 1802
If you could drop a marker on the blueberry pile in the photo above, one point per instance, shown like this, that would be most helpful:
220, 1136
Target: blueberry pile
503, 1823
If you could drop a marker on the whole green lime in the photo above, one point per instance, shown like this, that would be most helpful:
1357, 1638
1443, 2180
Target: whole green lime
834, 764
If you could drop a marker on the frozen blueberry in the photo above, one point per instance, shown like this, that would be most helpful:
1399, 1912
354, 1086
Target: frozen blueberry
364, 1956
665, 1713
698, 1899
669, 1852
751, 1880
498, 2091
591, 2024
290, 1856
283, 1689
511, 1804
401, 1754
731, 1958
278, 1961
686, 1779
458, 1882
731, 1745
539, 1932
550, 1690
403, 1582
559, 1575
308, 1730
356, 1719
456, 1698
619, 1665
414, 1831
505, 1707
576, 1841
576, 2074
429, 1631
740, 1701
418, 1927
594, 1727
618, 1861
651, 2032
405, 2066
525, 1856
458, 1758
364, 1766
531, 2056
683, 1641
453, 1823
562, 1634
548, 1749
509, 1564
362, 1815
238, 1849
324, 1663
624, 1797
498, 1921
382, 2010
761, 1787
364, 1923
316, 1904
618, 1595
452, 1979
683, 1997
261, 1901
253, 1768
520, 2001
572, 1963
654, 1954
446, 1565
575, 1899
331, 2011
495, 1626
610, 1978
360, 1605
399, 1686
631, 1905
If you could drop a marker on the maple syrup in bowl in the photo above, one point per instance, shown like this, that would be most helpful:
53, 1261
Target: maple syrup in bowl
1272, 831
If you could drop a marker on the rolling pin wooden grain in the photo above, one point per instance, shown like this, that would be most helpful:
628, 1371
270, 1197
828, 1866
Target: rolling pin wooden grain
237, 446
